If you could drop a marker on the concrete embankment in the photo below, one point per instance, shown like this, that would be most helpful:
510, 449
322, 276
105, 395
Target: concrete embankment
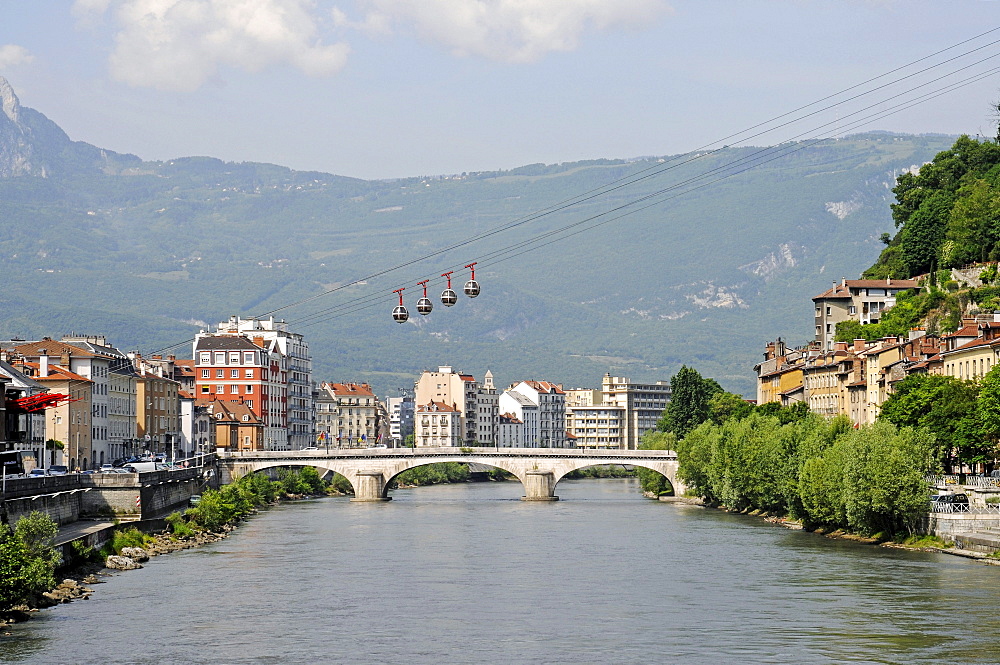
72, 497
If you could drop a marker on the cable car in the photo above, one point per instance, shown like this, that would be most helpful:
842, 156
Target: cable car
472, 286
424, 305
448, 296
399, 313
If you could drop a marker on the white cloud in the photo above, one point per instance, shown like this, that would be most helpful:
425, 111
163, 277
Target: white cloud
180, 44
509, 30
12, 54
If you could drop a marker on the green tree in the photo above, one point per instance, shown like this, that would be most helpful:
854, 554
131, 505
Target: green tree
948, 408
652, 481
689, 397
988, 411
723, 406
884, 470
27, 559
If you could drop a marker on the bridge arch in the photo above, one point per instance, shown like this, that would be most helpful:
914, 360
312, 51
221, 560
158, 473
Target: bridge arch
370, 472
666, 469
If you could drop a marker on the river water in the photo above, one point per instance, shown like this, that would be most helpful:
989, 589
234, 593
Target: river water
470, 574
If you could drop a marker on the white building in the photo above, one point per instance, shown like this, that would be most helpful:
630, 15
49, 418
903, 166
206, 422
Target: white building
524, 409
551, 402
437, 425
510, 431
401, 412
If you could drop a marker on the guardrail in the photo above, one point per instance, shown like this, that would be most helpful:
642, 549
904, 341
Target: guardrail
965, 508
966, 480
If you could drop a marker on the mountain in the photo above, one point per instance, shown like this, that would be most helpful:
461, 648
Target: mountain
148, 252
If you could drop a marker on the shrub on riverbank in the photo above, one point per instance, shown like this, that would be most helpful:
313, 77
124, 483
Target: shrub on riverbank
27, 559
603, 471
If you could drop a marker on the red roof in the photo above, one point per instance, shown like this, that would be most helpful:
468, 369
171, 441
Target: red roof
436, 407
350, 389
546, 387
843, 289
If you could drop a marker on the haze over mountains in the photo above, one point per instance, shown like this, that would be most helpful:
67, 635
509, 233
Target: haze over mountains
93, 241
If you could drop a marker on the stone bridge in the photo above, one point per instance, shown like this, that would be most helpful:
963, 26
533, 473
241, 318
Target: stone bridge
371, 470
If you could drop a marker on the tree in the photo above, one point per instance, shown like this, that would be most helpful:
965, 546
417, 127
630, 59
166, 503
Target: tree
884, 469
653, 481
723, 406
988, 410
689, 397
27, 559
946, 406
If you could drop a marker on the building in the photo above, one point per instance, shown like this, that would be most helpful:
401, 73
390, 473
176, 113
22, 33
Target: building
401, 411
595, 426
510, 431
20, 429
487, 412
158, 414
93, 365
347, 414
642, 405
861, 300
525, 410
71, 421
438, 425
269, 366
551, 402
236, 427
458, 390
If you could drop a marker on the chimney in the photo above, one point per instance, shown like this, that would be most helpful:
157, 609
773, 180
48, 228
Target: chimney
843, 282
171, 357
43, 362
859, 345
64, 359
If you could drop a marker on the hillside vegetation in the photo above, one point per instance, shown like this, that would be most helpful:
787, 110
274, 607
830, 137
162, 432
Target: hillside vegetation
150, 252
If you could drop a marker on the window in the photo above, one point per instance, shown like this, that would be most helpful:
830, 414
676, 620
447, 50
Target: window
220, 358
248, 389
250, 403
234, 390
204, 358
219, 373
219, 389
234, 358
234, 374
205, 373
249, 374
248, 358
853, 309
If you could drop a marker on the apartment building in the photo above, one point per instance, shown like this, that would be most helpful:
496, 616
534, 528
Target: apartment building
861, 300
348, 414
437, 424
642, 405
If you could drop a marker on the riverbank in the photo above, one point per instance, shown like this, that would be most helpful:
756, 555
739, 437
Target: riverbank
841, 534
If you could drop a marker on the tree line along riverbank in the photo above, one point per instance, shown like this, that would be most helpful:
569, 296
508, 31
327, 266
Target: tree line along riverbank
785, 461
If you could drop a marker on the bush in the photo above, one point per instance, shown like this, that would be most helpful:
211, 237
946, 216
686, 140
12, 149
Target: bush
130, 537
27, 559
179, 526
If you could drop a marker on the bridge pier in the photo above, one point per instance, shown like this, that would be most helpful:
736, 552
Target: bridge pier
369, 486
539, 486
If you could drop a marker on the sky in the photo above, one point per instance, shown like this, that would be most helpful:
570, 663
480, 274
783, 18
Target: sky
399, 88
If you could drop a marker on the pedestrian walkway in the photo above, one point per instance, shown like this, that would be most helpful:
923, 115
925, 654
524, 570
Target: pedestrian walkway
75, 530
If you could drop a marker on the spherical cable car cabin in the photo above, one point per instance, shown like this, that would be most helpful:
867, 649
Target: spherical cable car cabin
399, 313
472, 286
448, 296
424, 305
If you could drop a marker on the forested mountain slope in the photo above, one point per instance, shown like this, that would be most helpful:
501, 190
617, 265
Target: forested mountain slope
149, 252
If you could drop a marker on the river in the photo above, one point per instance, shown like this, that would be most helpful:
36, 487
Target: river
469, 574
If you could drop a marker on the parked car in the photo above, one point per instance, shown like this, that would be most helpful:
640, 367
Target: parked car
58, 470
950, 503
107, 468
37, 473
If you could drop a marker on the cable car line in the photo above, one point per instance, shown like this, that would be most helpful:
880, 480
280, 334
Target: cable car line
660, 168
775, 154
657, 169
